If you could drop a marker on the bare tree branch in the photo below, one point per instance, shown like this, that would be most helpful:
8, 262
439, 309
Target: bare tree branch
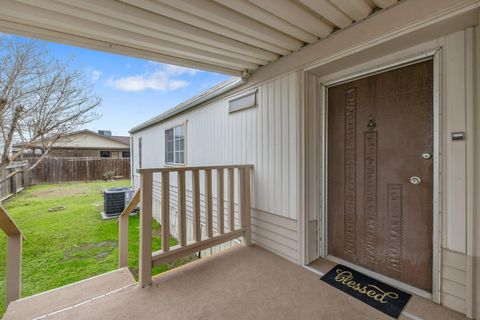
42, 101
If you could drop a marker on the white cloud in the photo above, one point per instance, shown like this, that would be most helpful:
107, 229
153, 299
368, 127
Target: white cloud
96, 74
161, 78
177, 70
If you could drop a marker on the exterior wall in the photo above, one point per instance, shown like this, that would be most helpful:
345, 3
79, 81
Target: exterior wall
458, 106
266, 136
458, 165
89, 140
269, 137
87, 153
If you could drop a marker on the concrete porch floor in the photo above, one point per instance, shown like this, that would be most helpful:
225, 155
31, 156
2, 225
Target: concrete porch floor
240, 283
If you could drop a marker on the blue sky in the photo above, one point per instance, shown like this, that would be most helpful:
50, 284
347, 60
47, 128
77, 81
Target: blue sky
133, 90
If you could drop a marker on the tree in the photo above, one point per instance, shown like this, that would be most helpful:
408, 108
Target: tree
41, 100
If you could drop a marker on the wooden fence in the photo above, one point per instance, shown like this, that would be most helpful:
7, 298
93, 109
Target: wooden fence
58, 170
16, 183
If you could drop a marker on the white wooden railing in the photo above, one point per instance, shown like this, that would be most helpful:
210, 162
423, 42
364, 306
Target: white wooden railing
14, 256
167, 254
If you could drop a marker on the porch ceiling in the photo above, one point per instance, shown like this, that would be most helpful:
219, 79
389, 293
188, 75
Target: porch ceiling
228, 36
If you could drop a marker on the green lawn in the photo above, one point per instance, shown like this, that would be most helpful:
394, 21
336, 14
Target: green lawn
71, 244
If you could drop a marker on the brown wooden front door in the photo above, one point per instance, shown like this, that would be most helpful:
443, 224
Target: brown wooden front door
380, 173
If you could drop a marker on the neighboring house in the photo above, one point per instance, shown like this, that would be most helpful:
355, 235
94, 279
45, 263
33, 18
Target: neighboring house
87, 143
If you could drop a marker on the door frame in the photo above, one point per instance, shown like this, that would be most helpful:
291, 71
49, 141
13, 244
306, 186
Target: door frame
322, 231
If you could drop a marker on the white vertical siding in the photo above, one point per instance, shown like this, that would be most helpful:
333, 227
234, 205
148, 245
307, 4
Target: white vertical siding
313, 157
266, 136
455, 160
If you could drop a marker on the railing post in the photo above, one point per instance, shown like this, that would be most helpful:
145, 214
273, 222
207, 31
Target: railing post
14, 267
165, 211
182, 210
245, 206
208, 202
220, 201
145, 272
197, 228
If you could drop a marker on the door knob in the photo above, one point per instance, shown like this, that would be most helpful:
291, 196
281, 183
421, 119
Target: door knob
415, 180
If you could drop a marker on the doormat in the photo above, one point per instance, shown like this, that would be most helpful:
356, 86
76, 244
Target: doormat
376, 294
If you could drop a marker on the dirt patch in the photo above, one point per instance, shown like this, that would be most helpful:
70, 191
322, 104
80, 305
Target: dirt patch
91, 250
55, 209
102, 255
60, 192
157, 231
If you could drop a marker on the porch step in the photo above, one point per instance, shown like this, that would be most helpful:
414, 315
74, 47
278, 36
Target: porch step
67, 296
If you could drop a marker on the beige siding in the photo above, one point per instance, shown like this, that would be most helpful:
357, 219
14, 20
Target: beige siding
89, 140
266, 136
84, 153
454, 280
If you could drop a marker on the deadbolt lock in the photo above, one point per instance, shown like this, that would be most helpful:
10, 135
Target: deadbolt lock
426, 155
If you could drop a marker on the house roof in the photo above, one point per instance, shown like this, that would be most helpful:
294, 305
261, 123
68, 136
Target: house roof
232, 37
125, 140
191, 103
122, 139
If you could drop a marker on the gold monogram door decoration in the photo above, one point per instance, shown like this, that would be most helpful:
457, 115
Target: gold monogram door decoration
378, 129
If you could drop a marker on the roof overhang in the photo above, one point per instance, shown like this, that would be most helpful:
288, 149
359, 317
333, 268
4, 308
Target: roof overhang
191, 103
228, 36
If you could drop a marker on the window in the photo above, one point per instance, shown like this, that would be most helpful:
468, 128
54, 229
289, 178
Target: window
105, 154
125, 154
139, 152
175, 145
243, 101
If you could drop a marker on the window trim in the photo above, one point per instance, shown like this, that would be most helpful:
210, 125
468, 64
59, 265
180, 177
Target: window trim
106, 151
173, 164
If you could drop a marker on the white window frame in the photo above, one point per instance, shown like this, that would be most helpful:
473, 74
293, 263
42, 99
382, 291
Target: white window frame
175, 151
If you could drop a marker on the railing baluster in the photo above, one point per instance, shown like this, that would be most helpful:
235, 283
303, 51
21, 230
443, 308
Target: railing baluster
123, 230
14, 268
197, 228
123, 241
220, 201
182, 212
149, 259
208, 202
165, 211
145, 272
245, 205
231, 198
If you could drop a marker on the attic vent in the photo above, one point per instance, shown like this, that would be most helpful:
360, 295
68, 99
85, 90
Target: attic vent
243, 101
105, 133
